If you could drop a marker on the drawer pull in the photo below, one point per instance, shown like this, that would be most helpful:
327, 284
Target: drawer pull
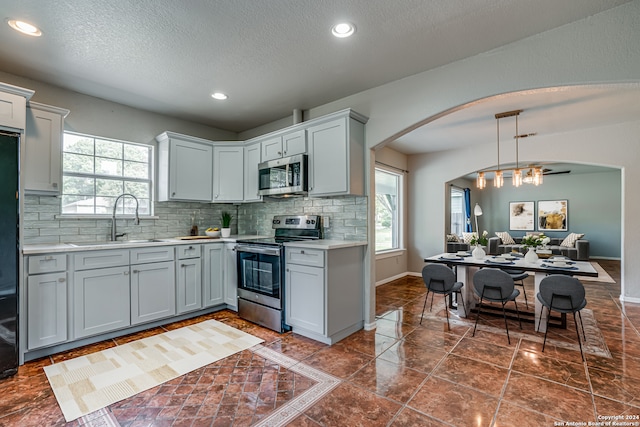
136, 271
62, 280
48, 258
126, 273
183, 265
302, 252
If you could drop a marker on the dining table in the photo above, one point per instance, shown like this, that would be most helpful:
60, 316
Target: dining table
466, 265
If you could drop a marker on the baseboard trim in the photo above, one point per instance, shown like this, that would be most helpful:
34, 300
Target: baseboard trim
629, 299
398, 276
370, 326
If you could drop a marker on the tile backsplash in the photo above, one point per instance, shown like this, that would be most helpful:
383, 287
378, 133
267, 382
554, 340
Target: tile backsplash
42, 222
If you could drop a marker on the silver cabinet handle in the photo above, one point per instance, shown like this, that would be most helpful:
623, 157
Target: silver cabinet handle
285, 152
136, 271
48, 258
280, 153
173, 194
62, 280
183, 265
190, 247
126, 273
54, 184
302, 251
216, 196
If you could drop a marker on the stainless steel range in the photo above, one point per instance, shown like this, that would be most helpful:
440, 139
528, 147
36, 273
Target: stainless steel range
261, 269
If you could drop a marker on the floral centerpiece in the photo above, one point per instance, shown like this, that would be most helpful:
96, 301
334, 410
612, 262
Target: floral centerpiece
482, 240
533, 241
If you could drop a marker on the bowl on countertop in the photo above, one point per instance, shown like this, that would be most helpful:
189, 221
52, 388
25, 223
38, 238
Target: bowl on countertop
212, 233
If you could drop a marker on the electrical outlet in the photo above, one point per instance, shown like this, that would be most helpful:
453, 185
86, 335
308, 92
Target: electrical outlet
325, 221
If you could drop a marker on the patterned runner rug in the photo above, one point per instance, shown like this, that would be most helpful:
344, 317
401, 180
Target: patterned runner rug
88, 383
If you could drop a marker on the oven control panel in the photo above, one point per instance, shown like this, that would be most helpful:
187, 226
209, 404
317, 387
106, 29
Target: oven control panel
296, 221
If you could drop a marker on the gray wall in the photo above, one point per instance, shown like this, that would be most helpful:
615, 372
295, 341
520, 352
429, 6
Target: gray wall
594, 201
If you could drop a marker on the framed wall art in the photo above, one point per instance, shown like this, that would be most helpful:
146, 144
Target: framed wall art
521, 216
552, 215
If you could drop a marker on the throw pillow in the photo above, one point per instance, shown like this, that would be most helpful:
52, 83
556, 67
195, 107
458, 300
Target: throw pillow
453, 238
570, 240
466, 237
505, 237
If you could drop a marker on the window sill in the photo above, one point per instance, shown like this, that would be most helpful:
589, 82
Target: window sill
103, 216
390, 253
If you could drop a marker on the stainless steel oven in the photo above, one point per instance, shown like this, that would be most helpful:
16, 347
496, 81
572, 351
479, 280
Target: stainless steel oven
261, 281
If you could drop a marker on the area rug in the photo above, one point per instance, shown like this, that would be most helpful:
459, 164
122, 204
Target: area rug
88, 383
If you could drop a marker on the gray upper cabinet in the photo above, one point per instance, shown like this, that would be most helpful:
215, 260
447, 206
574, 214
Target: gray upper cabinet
42, 168
285, 144
252, 158
13, 103
185, 168
336, 155
228, 173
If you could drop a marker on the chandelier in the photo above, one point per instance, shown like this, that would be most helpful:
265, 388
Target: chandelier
534, 175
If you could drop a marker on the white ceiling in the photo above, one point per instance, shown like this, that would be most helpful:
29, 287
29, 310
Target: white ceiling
274, 56
270, 57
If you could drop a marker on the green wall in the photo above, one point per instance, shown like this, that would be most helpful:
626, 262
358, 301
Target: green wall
594, 207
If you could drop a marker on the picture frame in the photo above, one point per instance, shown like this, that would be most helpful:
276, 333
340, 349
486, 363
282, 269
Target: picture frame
553, 215
522, 216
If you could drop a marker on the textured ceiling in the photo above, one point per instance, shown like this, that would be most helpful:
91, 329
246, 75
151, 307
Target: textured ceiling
270, 57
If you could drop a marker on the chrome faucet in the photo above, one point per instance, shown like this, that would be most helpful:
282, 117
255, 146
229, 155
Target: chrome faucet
136, 221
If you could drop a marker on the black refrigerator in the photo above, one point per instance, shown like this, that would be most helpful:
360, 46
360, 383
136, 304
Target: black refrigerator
9, 246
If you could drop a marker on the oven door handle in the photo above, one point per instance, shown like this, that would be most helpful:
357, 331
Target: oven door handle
258, 250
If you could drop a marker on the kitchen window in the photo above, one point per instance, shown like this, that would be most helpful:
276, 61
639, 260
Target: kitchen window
95, 171
388, 210
458, 219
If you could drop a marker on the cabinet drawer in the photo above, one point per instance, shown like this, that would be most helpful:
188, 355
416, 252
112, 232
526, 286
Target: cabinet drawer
310, 257
188, 251
155, 254
100, 259
47, 263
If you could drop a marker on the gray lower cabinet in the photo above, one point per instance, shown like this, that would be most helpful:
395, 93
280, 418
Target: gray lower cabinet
153, 291
305, 297
101, 300
46, 300
324, 292
47, 308
212, 281
189, 282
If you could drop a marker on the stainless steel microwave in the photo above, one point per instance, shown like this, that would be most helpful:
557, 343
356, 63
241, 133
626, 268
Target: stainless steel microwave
281, 177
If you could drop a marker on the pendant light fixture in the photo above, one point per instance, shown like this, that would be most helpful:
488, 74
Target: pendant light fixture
533, 176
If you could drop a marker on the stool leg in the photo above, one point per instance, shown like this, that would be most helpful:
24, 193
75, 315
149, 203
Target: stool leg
425, 305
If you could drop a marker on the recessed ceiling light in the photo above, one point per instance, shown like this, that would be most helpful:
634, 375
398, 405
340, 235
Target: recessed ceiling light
25, 27
219, 95
343, 29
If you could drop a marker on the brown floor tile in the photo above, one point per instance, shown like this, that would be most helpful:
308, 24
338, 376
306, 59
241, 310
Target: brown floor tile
368, 342
552, 369
389, 379
549, 398
82, 351
608, 407
484, 351
437, 339
454, 403
472, 373
412, 355
615, 386
392, 328
338, 360
338, 408
296, 346
139, 335
511, 415
410, 418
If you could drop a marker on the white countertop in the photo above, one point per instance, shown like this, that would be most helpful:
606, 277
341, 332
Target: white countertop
124, 244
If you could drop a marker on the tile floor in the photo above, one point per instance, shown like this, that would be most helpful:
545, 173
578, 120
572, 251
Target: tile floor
401, 374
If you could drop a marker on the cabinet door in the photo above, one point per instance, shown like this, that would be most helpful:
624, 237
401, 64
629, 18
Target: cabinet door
228, 174
190, 171
305, 298
231, 276
294, 143
328, 158
189, 285
46, 309
212, 281
271, 148
153, 291
251, 161
43, 150
12, 110
101, 301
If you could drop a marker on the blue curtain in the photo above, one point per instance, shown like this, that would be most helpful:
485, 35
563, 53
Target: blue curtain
467, 210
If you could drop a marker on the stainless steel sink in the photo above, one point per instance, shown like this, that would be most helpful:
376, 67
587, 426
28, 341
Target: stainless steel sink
116, 242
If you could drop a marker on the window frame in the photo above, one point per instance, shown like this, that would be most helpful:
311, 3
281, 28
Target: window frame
454, 189
400, 175
150, 180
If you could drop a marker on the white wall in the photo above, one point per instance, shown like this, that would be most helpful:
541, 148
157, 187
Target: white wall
602, 49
